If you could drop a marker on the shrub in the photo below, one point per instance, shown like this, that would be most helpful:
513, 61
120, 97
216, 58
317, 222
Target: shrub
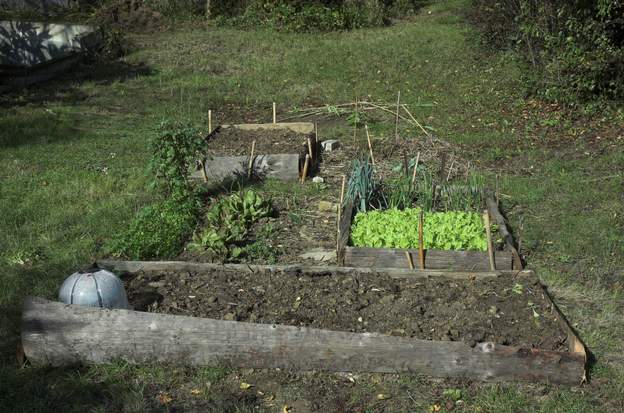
158, 230
577, 46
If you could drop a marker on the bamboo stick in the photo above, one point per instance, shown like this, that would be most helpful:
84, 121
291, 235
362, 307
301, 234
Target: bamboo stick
421, 248
251, 159
396, 125
306, 165
342, 191
488, 231
410, 262
274, 113
415, 169
448, 176
415, 121
370, 145
310, 149
355, 123
209, 122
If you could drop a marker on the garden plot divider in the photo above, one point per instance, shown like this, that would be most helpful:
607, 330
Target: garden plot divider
275, 154
506, 259
58, 334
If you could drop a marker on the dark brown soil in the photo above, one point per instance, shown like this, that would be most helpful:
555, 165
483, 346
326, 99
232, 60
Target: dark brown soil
503, 310
236, 142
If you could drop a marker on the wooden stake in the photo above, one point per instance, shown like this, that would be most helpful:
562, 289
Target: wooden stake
488, 231
415, 169
370, 145
274, 113
310, 148
342, 191
209, 122
410, 262
315, 135
396, 125
355, 123
306, 165
450, 169
203, 168
421, 248
251, 159
415, 121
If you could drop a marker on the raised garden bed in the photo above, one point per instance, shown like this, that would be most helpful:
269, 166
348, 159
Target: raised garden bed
505, 259
488, 326
279, 151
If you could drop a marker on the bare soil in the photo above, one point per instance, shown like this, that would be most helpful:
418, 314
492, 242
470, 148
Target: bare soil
503, 310
237, 142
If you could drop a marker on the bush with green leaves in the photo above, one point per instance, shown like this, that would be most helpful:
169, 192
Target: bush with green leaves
159, 230
575, 48
175, 149
227, 222
314, 16
394, 228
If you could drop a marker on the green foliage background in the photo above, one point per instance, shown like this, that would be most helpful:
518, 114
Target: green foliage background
575, 48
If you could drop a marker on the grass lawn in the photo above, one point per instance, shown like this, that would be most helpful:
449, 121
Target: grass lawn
73, 154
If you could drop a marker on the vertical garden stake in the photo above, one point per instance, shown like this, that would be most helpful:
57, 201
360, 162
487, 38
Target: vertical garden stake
251, 159
370, 145
209, 122
203, 168
306, 165
409, 260
342, 191
415, 169
310, 149
488, 231
274, 113
396, 124
421, 247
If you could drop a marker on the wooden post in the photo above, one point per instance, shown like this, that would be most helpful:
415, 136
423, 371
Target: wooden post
306, 165
251, 159
370, 145
203, 168
274, 113
415, 169
209, 122
421, 247
450, 169
410, 262
310, 149
396, 126
342, 191
488, 232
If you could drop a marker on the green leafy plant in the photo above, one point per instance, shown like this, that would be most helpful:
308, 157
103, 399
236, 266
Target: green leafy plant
175, 150
363, 189
228, 221
158, 231
399, 229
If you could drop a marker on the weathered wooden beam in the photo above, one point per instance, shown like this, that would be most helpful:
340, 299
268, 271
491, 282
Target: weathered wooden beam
434, 259
492, 206
58, 334
151, 266
284, 167
344, 231
303, 128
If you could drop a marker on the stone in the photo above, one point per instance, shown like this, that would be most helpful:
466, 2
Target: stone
318, 180
330, 145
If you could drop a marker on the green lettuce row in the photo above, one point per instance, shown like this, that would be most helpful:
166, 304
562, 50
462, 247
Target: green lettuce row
395, 228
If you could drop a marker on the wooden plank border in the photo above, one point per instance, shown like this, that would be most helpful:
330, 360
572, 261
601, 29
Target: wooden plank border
58, 334
132, 267
434, 259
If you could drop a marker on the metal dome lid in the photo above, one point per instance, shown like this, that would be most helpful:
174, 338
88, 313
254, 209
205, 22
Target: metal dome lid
94, 288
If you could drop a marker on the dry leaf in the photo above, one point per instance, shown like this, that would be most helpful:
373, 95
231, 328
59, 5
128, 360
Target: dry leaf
435, 408
165, 398
245, 386
382, 396
195, 392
